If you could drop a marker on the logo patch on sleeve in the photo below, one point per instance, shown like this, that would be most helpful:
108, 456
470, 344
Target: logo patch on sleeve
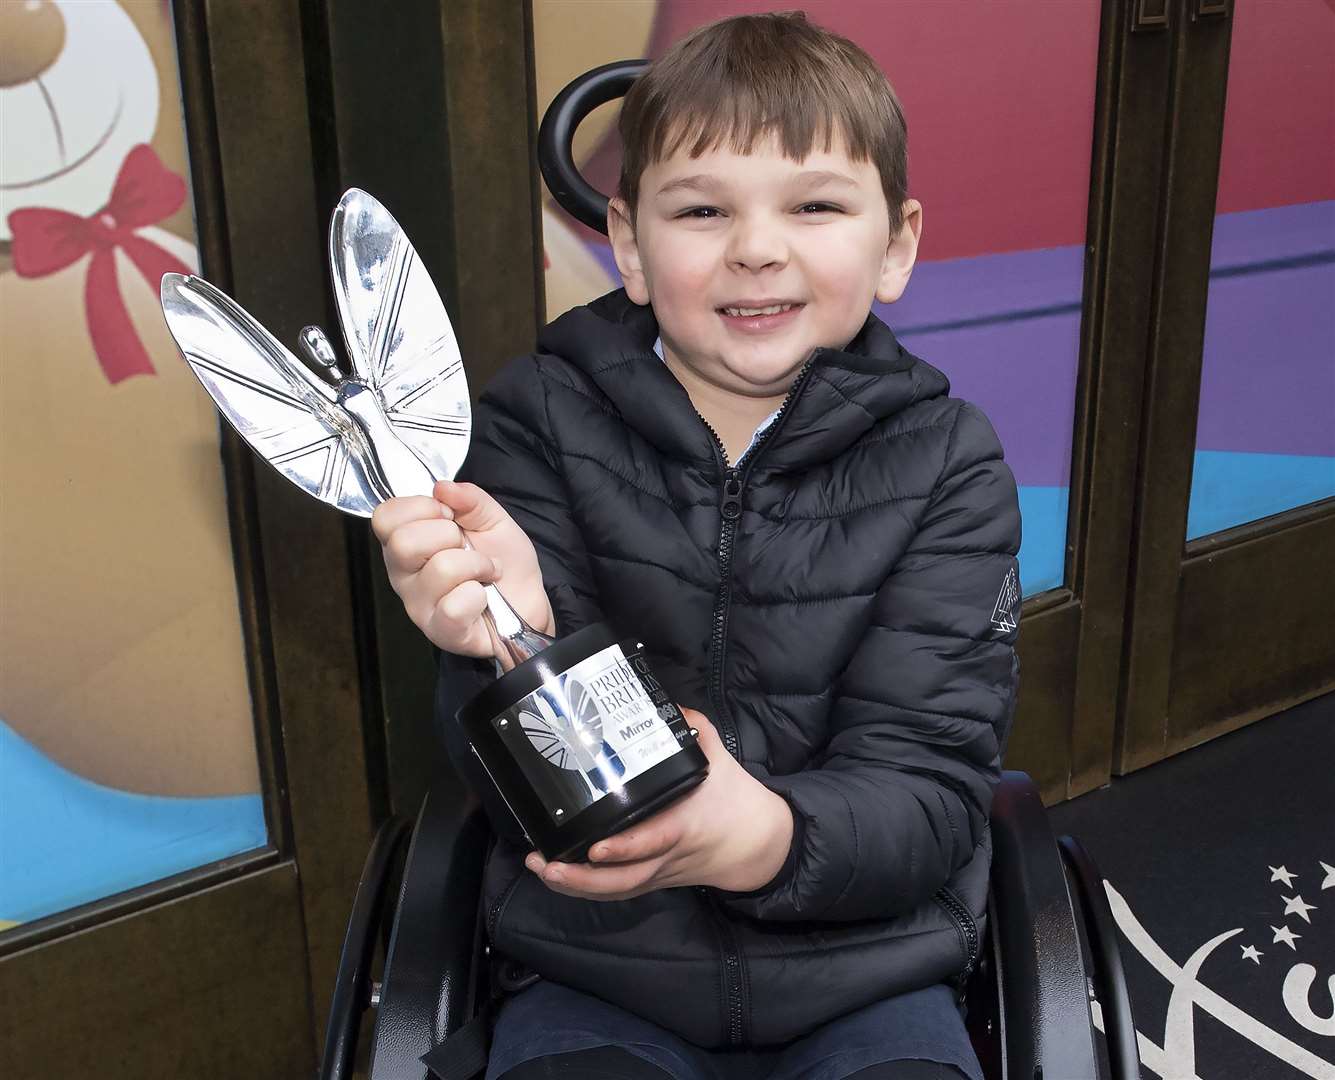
1006, 614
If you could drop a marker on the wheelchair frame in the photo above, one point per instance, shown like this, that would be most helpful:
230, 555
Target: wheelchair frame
1050, 945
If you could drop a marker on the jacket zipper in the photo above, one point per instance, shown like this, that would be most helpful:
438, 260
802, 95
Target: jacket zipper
967, 928
734, 483
732, 967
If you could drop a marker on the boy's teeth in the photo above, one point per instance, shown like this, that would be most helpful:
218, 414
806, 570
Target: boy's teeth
758, 311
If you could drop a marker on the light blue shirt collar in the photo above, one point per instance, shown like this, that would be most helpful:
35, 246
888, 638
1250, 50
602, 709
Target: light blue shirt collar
658, 348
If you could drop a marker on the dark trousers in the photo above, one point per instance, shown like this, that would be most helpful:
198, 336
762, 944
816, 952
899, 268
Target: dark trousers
565, 1032
613, 1063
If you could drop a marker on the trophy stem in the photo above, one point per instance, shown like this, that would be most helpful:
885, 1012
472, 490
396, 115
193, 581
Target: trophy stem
512, 639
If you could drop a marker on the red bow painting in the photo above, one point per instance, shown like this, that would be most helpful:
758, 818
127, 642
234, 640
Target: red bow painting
47, 240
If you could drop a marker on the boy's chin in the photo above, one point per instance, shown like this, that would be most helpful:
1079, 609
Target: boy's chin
762, 377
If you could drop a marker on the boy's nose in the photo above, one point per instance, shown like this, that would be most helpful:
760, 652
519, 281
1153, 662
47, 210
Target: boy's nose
756, 244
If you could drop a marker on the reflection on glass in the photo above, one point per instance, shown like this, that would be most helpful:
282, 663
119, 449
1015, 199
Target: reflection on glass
1265, 436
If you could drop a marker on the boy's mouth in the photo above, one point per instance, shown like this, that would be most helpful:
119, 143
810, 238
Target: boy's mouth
760, 318
770, 308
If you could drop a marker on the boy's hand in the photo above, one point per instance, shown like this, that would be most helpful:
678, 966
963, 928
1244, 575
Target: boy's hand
730, 831
440, 581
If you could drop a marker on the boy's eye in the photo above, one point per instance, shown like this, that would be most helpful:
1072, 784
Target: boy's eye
708, 212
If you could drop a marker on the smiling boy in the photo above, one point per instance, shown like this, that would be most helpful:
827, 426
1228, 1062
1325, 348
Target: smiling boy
726, 235
731, 230
734, 460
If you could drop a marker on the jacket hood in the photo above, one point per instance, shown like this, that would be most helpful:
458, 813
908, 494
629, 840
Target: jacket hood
847, 391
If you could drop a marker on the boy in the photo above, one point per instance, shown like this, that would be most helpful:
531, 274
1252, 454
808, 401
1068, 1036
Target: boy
733, 460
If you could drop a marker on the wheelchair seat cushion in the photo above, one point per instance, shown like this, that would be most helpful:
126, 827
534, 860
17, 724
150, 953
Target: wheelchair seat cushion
549, 1018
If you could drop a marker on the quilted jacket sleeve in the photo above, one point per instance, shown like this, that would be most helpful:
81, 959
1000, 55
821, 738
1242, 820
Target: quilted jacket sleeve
901, 793
514, 458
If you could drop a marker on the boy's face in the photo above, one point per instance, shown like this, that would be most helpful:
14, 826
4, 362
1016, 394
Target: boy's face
758, 229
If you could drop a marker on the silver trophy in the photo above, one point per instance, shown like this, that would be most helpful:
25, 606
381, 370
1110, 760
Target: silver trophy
577, 735
392, 425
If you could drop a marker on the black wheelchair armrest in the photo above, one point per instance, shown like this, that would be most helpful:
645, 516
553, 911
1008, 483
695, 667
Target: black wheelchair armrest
427, 987
1040, 967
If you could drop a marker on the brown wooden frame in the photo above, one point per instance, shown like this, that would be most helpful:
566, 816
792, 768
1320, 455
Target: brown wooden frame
1071, 637
1235, 626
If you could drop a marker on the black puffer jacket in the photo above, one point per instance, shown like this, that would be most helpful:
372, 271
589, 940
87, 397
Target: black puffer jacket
841, 603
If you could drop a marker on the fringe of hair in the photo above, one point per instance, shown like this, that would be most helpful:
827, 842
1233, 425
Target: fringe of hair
737, 79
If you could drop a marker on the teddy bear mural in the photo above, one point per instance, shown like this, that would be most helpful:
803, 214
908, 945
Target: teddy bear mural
124, 705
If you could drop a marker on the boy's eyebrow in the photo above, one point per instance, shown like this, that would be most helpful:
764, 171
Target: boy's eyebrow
706, 182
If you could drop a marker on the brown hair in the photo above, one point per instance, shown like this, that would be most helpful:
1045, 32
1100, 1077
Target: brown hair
739, 77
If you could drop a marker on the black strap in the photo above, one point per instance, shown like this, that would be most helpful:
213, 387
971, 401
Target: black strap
463, 1054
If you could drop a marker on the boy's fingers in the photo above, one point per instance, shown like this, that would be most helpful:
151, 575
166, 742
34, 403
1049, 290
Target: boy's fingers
393, 513
597, 882
474, 509
446, 571
461, 606
706, 733
693, 716
632, 846
451, 620
413, 544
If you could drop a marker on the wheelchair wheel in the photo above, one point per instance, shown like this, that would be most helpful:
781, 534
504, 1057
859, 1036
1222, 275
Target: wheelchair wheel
353, 992
1099, 932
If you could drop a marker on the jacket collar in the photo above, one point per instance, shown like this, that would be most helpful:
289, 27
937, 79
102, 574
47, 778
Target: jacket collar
844, 393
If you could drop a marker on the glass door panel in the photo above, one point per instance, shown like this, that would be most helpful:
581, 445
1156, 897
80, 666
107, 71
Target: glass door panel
1265, 434
127, 746
1228, 614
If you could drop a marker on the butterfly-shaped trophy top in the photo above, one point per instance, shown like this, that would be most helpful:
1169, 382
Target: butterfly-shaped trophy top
399, 420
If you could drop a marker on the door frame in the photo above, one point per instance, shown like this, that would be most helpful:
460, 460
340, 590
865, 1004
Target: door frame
1235, 626
1070, 641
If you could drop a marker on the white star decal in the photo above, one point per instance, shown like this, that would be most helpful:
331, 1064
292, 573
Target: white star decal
1293, 905
1278, 873
1284, 934
1329, 883
1251, 953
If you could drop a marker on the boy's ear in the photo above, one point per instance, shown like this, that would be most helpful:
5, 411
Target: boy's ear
626, 250
900, 255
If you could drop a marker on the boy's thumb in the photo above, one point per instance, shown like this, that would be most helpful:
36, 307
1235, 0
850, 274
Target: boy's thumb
473, 508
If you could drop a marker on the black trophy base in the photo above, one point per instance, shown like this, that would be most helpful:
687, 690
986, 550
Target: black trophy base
537, 793
608, 820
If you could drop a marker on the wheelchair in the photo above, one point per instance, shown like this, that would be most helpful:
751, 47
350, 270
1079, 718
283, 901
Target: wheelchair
1049, 959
